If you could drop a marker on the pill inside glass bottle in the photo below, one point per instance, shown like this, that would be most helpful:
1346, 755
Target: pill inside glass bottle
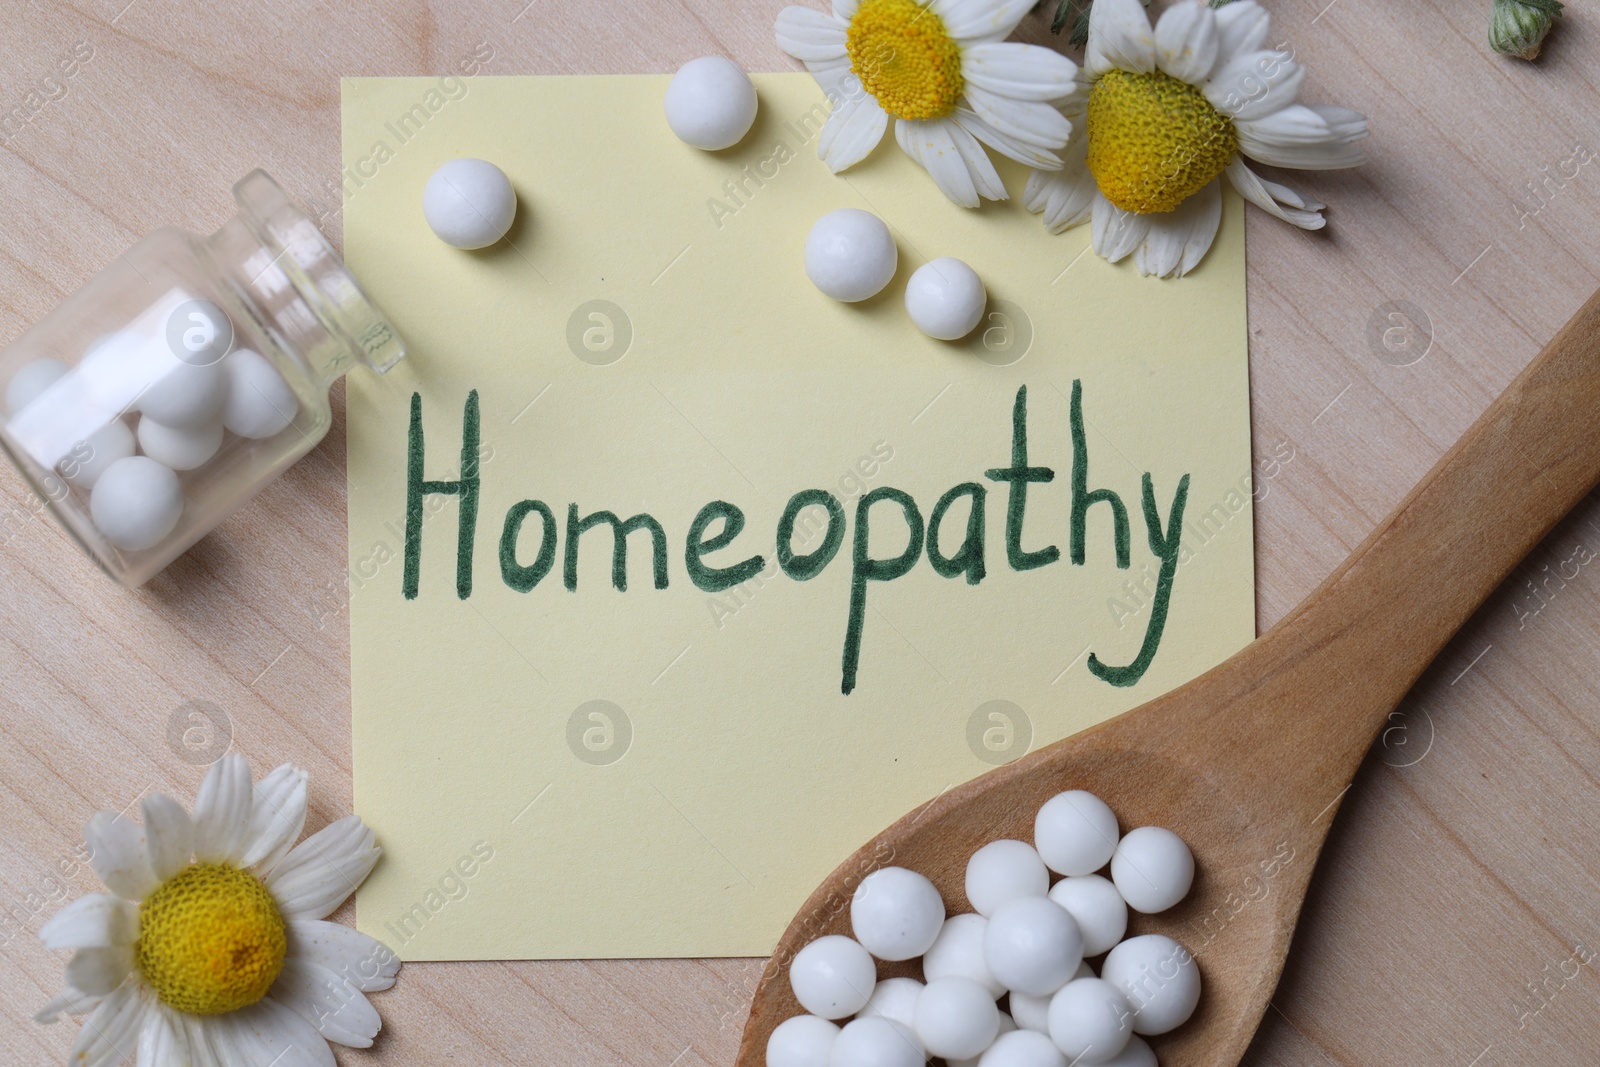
184, 377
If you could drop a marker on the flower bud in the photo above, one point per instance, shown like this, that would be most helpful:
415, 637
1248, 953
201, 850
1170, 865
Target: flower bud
1518, 27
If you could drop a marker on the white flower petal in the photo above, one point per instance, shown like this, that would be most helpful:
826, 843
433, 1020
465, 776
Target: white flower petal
339, 1011
1179, 240
979, 165
222, 811
168, 834
980, 20
98, 971
1116, 233
845, 10
321, 871
96, 920
1120, 38
808, 35
1066, 197
1257, 191
1306, 138
164, 1042
1254, 85
70, 1002
1006, 145
117, 853
852, 131
1020, 71
1242, 26
932, 144
363, 961
111, 1033
267, 1034
1036, 124
277, 815
1187, 41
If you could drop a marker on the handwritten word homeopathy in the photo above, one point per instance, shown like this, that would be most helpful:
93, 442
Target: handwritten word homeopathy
868, 562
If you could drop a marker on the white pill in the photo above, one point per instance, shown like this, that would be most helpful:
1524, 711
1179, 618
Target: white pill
1032, 946
1135, 1054
945, 298
1100, 911
895, 998
1023, 1048
1003, 871
896, 913
136, 502
804, 1041
876, 1042
1153, 869
1033, 1013
956, 1018
850, 254
958, 953
1090, 1020
260, 403
710, 103
1159, 978
1006, 1027
186, 395
469, 203
30, 382
1075, 833
833, 977
181, 449
89, 458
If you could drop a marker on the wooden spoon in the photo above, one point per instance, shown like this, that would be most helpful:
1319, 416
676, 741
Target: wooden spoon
1249, 762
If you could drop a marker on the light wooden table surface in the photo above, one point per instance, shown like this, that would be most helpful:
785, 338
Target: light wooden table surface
1462, 875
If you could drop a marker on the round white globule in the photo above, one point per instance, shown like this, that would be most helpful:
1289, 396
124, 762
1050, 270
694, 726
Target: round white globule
958, 953
185, 396
1134, 1054
956, 1018
1031, 1013
850, 254
804, 1041
181, 449
1032, 946
31, 380
469, 203
876, 1042
1153, 869
1075, 833
896, 913
260, 403
1003, 871
710, 103
1023, 1048
833, 977
1090, 1020
1100, 911
136, 502
87, 460
945, 298
1160, 979
895, 998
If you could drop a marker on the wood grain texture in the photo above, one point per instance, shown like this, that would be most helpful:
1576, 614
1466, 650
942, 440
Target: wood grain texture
1461, 871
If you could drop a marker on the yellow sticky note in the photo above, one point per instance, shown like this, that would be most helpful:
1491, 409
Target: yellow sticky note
560, 767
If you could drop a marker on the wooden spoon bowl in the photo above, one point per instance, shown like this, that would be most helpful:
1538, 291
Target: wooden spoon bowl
1248, 762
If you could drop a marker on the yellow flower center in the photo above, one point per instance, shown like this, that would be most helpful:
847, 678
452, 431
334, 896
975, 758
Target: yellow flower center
1155, 141
210, 940
905, 58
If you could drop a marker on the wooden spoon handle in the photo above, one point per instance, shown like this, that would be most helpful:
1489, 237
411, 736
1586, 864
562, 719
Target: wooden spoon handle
1370, 630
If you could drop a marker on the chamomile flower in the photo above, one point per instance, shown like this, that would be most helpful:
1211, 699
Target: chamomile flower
1168, 114
211, 949
944, 72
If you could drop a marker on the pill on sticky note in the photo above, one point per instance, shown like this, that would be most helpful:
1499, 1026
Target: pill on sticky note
710, 103
945, 298
469, 203
850, 255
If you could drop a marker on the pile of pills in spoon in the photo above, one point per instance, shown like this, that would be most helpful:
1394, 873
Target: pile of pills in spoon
1026, 941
